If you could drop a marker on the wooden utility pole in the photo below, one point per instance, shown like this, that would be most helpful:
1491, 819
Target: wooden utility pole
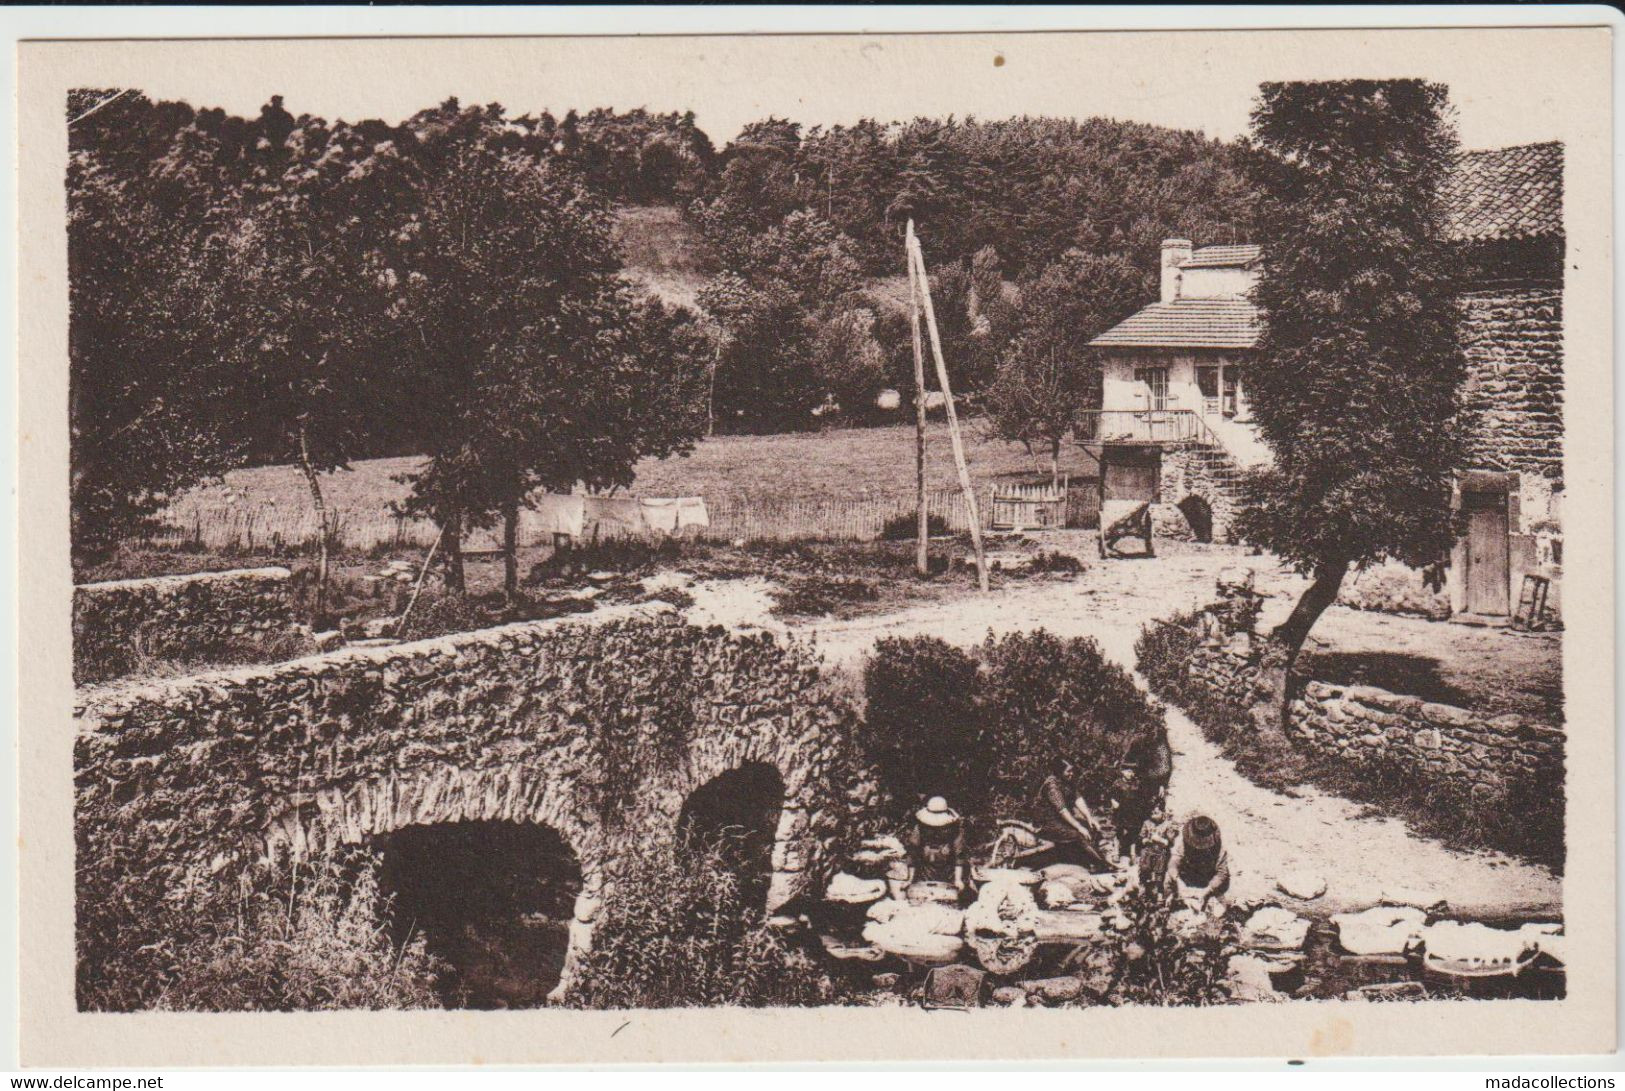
923, 287
922, 560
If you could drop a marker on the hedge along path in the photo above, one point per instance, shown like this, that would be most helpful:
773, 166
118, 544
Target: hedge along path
1361, 856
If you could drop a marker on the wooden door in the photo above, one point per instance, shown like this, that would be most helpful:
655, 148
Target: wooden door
1131, 475
1487, 577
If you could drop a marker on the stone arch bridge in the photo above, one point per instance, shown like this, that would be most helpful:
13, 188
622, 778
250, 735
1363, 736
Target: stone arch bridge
600, 728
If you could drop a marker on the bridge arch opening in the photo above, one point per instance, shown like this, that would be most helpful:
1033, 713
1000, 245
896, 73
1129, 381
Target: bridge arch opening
736, 815
494, 900
1198, 514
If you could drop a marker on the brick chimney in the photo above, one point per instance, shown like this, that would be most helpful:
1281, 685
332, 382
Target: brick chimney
1174, 251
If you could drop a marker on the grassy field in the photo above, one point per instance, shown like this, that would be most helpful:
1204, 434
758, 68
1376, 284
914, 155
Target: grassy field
662, 253
844, 463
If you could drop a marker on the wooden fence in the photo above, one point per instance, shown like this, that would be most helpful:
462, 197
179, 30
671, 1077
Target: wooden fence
268, 528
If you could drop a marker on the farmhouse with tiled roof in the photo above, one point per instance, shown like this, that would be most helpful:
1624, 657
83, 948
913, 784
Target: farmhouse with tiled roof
1174, 423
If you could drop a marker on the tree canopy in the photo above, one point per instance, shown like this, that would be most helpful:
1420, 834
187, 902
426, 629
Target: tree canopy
1356, 385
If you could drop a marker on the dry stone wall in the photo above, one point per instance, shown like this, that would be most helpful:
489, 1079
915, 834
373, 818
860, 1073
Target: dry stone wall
599, 728
208, 616
1363, 724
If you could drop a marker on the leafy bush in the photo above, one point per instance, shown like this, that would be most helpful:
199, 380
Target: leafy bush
904, 526
1154, 962
678, 931
1163, 653
819, 595
1045, 698
610, 555
310, 936
923, 732
985, 730
1052, 560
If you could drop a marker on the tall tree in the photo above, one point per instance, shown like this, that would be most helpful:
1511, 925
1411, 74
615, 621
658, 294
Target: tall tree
1356, 386
532, 365
1048, 373
151, 197
785, 284
313, 281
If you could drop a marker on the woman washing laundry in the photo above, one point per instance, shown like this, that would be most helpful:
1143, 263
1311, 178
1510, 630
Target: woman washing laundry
936, 844
1199, 868
1063, 816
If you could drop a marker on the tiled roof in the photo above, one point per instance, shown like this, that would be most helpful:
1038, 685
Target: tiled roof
1505, 193
1215, 257
1187, 323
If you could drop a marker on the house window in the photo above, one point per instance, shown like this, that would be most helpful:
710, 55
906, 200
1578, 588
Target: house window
1155, 380
1207, 381
1218, 386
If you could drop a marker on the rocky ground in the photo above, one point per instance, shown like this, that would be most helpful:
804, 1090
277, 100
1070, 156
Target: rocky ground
1362, 857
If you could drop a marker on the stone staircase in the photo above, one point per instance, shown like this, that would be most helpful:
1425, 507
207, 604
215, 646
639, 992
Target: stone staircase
1204, 469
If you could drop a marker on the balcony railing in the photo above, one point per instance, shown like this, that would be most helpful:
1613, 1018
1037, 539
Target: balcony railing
1144, 426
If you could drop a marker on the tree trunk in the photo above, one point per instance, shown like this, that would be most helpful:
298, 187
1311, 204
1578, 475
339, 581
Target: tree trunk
325, 532
711, 400
454, 554
1286, 641
1055, 463
510, 552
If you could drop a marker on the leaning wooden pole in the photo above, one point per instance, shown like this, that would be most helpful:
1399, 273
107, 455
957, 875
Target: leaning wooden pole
923, 286
922, 559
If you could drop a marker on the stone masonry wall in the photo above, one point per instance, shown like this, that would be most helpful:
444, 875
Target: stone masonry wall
211, 615
1201, 472
599, 728
1514, 343
1358, 724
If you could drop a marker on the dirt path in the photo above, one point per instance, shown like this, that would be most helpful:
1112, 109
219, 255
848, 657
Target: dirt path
1362, 858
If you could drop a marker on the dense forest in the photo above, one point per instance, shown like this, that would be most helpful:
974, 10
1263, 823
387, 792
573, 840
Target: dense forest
1030, 188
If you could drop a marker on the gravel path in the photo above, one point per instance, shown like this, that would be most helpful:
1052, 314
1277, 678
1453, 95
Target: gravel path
1362, 858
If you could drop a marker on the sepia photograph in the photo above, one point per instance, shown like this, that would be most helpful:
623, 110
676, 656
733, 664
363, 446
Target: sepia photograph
765, 526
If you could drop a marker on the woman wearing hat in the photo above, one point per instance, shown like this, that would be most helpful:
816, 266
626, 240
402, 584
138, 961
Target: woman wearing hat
1199, 868
936, 844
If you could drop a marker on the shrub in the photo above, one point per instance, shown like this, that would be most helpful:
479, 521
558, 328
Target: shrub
904, 526
611, 555
923, 732
678, 931
818, 595
1050, 560
1163, 653
986, 730
1045, 698
311, 936
1155, 962
439, 614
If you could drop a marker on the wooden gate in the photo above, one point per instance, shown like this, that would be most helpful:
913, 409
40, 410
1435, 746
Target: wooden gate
1486, 574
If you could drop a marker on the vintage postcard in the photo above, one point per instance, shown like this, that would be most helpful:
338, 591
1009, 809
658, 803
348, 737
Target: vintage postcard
868, 547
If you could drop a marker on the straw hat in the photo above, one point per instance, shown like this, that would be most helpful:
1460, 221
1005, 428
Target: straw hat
936, 812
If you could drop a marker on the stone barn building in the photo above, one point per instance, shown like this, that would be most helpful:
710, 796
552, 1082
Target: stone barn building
1174, 426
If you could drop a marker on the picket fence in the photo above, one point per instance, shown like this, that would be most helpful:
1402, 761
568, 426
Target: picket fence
268, 528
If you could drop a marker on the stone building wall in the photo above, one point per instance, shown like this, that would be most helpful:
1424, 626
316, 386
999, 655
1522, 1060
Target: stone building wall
218, 616
1514, 343
1199, 472
600, 729
1359, 724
